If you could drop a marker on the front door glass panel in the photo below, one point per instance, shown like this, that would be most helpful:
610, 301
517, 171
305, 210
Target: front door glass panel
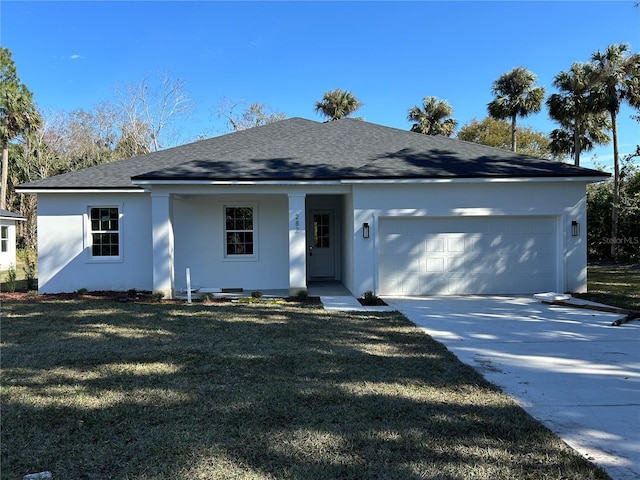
321, 231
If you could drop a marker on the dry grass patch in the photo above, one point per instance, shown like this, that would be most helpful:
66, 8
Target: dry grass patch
94, 390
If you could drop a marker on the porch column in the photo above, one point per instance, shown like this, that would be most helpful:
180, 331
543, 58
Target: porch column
297, 244
162, 238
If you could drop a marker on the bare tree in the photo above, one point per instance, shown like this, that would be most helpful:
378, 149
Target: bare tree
150, 109
254, 115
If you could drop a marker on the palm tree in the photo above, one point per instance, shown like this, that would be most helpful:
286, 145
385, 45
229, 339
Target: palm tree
616, 79
433, 117
18, 114
515, 96
337, 104
582, 126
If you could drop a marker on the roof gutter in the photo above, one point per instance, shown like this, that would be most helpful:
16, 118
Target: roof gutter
589, 179
237, 182
38, 190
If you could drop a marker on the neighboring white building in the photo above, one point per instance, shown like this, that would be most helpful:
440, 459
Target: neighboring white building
8, 238
296, 201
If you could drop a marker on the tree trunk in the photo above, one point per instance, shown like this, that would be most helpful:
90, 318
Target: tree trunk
576, 144
5, 174
616, 186
513, 133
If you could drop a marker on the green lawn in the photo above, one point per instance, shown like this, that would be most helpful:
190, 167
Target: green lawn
94, 390
618, 286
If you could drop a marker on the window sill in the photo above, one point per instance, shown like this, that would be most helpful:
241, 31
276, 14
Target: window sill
240, 258
105, 260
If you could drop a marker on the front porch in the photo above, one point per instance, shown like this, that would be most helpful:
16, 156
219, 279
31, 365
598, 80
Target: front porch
284, 242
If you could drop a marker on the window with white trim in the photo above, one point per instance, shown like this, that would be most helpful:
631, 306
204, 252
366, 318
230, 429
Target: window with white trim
239, 231
104, 225
4, 239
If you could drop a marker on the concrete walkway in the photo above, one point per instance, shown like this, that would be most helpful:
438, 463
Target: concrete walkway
568, 367
335, 296
343, 303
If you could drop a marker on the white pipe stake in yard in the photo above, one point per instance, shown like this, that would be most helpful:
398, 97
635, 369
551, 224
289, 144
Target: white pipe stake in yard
188, 285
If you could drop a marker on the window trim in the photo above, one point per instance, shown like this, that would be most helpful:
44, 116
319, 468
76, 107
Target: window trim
4, 240
239, 257
89, 236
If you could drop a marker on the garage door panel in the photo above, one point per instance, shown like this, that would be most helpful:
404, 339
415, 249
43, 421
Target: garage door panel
473, 243
546, 244
526, 260
410, 285
434, 244
471, 284
481, 255
402, 264
432, 282
456, 265
478, 265
435, 265
546, 263
455, 284
401, 244
455, 244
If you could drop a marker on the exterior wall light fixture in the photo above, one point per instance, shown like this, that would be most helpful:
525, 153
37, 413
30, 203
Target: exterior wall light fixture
365, 230
575, 229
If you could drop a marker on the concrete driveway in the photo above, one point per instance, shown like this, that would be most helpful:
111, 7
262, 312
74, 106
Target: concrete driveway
568, 367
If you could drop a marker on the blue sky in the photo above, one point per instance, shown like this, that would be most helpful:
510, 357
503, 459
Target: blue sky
285, 54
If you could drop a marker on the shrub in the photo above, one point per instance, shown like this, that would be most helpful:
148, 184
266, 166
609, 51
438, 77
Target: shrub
206, 297
11, 278
158, 296
369, 299
599, 201
302, 295
256, 294
30, 271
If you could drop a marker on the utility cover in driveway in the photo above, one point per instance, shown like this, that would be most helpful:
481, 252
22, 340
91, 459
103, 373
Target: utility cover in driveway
467, 255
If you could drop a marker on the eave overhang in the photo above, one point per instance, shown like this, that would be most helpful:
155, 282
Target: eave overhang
143, 185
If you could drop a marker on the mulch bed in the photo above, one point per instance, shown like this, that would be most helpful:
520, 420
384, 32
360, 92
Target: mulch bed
377, 302
47, 297
124, 297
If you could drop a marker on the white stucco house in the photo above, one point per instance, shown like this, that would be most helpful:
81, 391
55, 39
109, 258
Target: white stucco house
8, 222
297, 201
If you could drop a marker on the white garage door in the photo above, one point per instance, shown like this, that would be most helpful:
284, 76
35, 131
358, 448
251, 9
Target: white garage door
467, 255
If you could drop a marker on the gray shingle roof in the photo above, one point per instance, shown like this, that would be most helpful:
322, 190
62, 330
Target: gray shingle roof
13, 216
299, 149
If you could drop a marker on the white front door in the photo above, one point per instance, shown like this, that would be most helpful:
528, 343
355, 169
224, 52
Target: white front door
321, 248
